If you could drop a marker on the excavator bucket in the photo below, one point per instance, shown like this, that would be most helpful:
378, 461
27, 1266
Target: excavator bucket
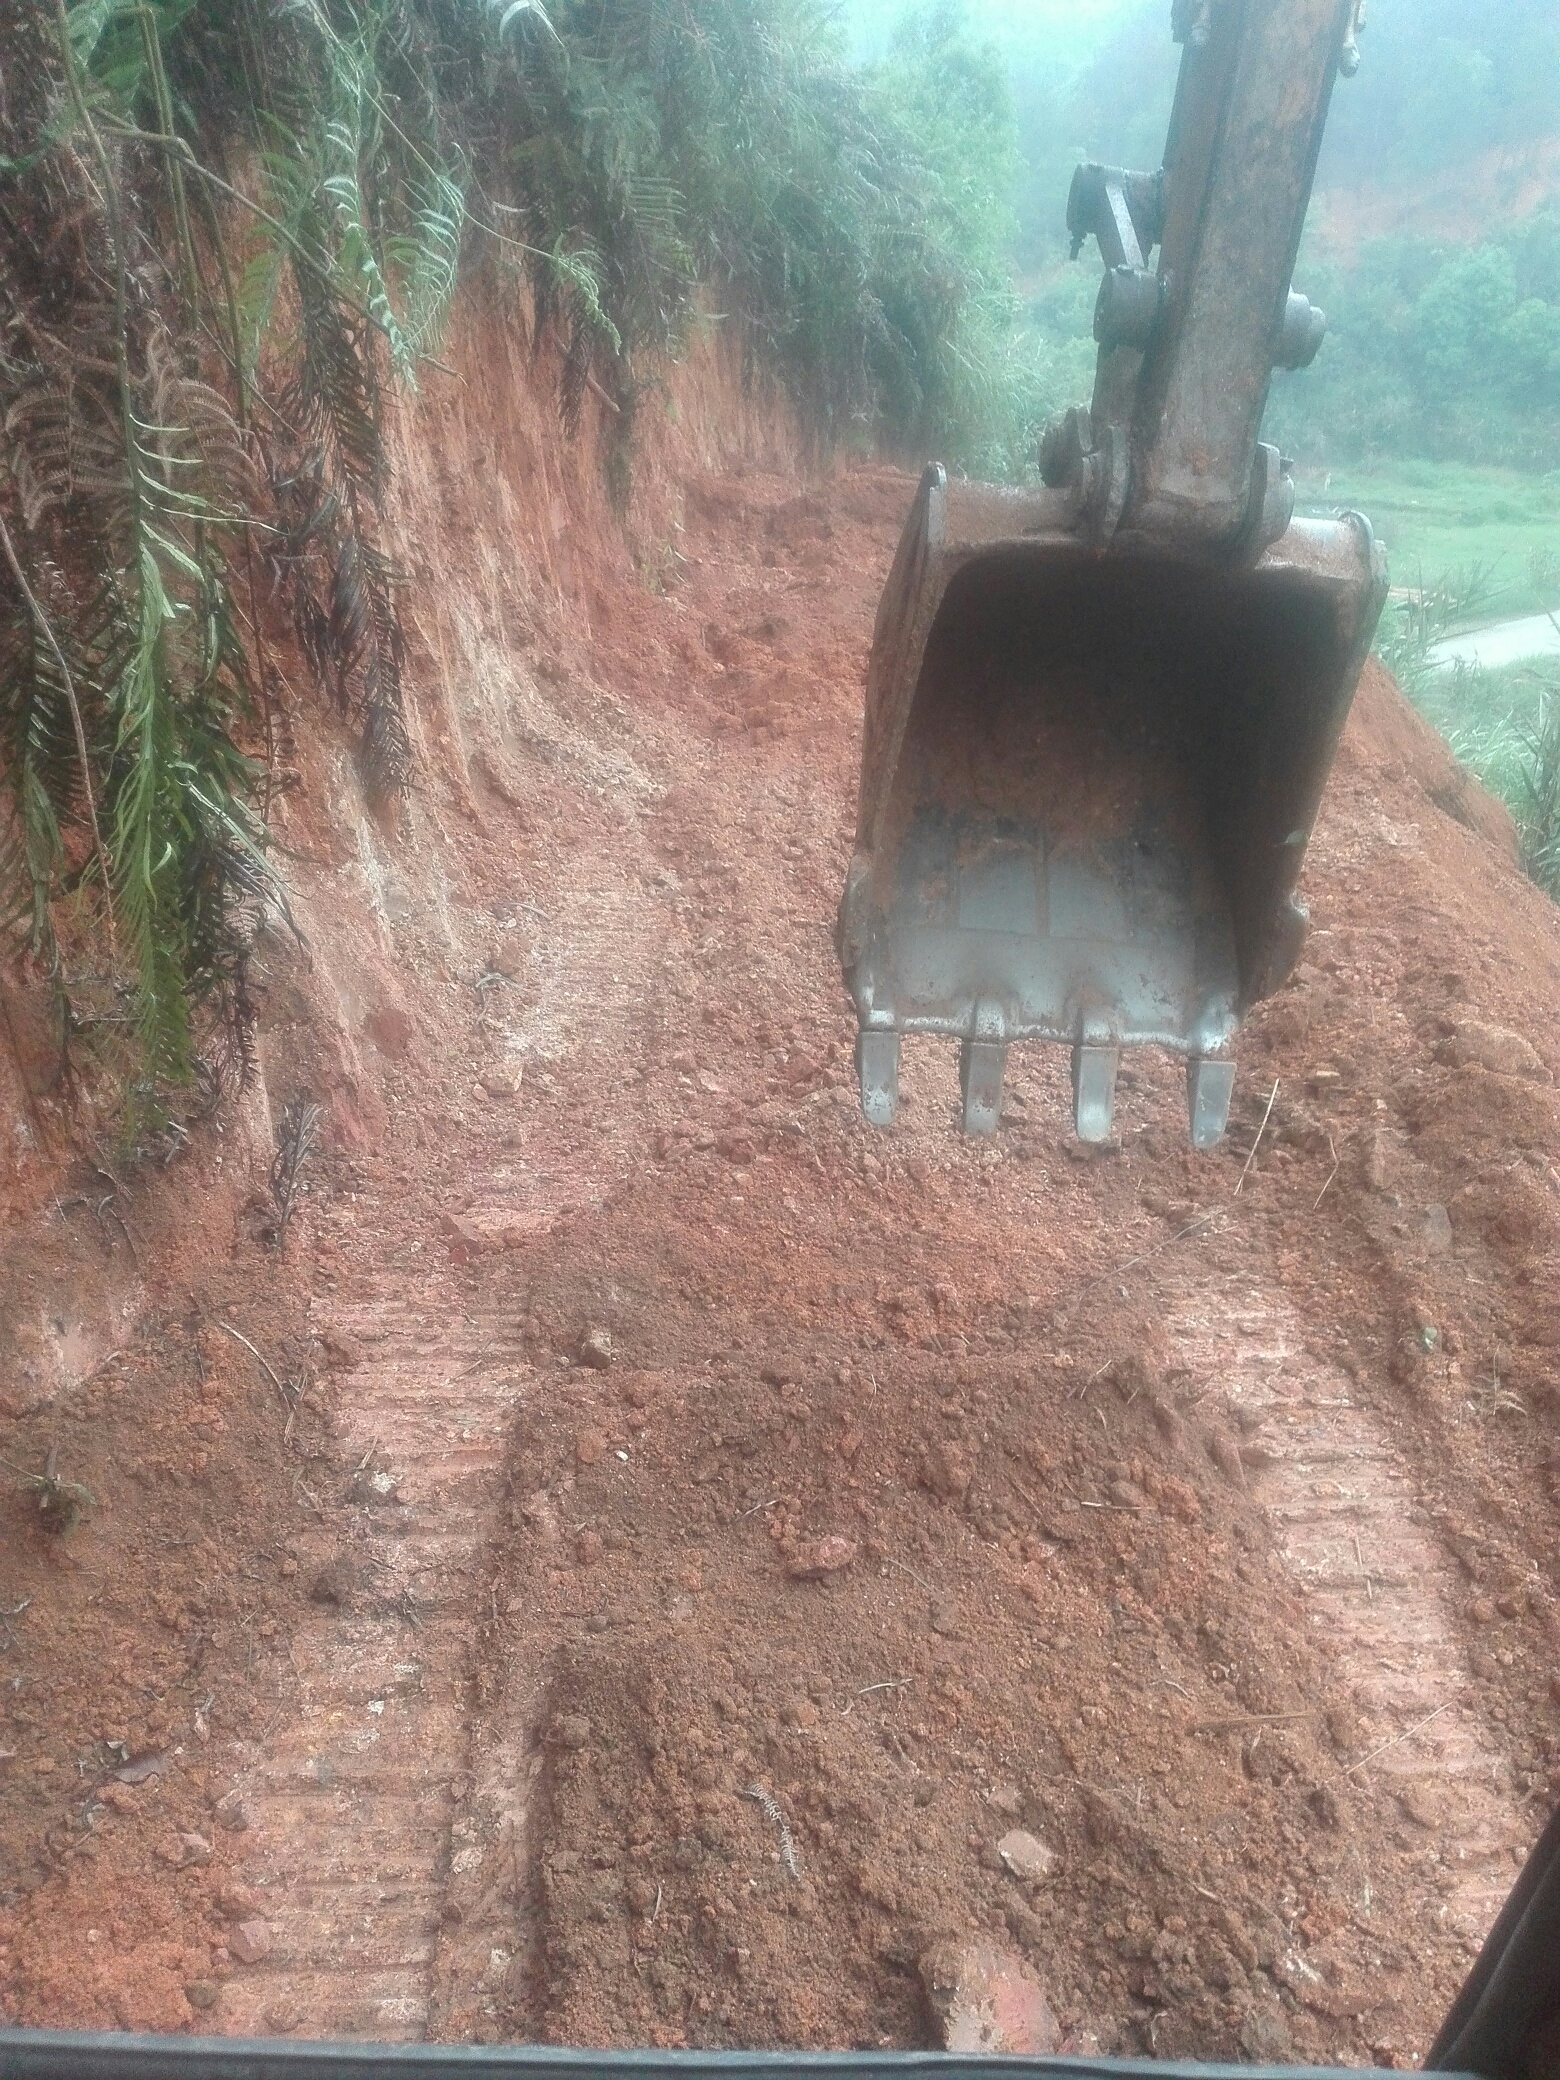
1087, 786
1100, 716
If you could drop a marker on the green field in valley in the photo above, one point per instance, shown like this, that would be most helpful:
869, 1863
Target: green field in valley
1440, 518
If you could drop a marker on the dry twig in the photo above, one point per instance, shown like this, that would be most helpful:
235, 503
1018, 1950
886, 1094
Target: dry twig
1398, 1739
1332, 1173
1251, 1158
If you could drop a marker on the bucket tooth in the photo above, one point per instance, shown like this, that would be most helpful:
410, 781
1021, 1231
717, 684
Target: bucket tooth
1209, 1087
981, 1063
877, 1073
1094, 1090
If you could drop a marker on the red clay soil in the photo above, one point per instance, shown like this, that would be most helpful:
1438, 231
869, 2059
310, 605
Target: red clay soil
673, 1536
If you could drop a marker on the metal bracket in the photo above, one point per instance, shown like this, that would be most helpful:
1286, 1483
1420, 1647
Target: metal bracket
1271, 508
1095, 466
1300, 333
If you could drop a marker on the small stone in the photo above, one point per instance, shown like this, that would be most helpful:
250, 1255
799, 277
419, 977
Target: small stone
1026, 1856
1225, 1454
289, 1568
946, 1470
986, 2000
343, 1353
596, 1350
232, 1813
1005, 1799
825, 1556
587, 1548
236, 1902
1437, 1231
1126, 1496
571, 1730
194, 1849
501, 1083
1481, 1611
589, 1446
250, 1941
944, 1619
1493, 1048
202, 1993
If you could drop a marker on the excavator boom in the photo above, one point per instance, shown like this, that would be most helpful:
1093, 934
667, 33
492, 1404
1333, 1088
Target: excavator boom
1100, 715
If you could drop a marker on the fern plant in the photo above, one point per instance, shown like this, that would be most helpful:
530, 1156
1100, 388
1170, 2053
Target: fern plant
227, 229
128, 479
135, 486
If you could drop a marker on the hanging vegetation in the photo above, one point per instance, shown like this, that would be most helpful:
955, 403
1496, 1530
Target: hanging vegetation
227, 227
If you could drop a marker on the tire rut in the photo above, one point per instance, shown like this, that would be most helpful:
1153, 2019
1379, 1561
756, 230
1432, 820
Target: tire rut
1342, 1501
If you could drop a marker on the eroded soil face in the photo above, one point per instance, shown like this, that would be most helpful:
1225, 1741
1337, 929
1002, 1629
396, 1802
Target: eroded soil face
688, 1531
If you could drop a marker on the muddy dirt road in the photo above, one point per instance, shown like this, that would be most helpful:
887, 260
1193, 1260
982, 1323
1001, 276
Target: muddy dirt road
689, 1531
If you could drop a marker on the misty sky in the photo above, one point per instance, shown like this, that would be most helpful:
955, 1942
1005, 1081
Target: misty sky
1074, 23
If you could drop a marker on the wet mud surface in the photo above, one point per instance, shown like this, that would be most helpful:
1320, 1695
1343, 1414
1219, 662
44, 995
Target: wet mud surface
687, 1531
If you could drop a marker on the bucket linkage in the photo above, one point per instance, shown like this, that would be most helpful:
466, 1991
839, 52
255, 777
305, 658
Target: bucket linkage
1100, 715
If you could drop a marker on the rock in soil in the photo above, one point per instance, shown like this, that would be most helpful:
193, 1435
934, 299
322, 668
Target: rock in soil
250, 1941
596, 1350
1026, 1856
986, 2000
232, 1812
825, 1556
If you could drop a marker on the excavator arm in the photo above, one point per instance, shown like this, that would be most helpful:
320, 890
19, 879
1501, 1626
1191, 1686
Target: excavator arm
1187, 350
1100, 714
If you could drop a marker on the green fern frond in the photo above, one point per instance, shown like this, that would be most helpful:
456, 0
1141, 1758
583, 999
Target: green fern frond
429, 260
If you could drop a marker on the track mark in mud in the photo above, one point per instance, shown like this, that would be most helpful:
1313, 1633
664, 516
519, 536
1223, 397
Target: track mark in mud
594, 966
356, 1830
349, 1804
1378, 1588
